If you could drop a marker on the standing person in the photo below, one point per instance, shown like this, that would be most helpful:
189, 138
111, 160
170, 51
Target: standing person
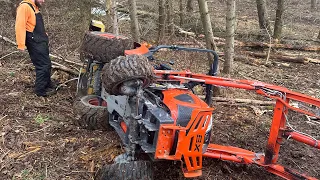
30, 34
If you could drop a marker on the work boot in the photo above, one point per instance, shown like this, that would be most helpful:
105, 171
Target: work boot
49, 92
52, 85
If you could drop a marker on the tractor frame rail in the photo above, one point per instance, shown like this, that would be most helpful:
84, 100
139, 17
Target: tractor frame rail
278, 130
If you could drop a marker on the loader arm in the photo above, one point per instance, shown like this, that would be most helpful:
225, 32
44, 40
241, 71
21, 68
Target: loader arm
279, 130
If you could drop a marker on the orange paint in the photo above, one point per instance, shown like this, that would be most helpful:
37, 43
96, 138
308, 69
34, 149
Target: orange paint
123, 126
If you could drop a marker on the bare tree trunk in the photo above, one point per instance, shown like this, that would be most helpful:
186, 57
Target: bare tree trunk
109, 13
115, 17
264, 22
319, 35
13, 6
170, 16
210, 44
206, 23
111, 17
181, 12
85, 13
313, 4
189, 6
278, 24
230, 26
162, 20
134, 21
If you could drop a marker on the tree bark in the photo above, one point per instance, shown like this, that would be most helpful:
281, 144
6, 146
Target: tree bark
170, 15
114, 14
189, 6
139, 12
210, 44
313, 4
181, 12
134, 21
50, 55
85, 13
285, 57
264, 22
191, 35
206, 23
248, 60
229, 47
278, 46
162, 20
66, 69
278, 23
109, 17
245, 101
13, 6
262, 45
318, 35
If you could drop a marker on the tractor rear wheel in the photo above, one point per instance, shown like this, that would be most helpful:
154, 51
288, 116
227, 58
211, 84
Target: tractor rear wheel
90, 115
103, 47
132, 170
125, 68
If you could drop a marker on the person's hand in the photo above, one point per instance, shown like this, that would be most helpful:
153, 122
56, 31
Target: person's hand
22, 49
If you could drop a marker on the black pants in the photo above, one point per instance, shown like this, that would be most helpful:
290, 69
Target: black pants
39, 54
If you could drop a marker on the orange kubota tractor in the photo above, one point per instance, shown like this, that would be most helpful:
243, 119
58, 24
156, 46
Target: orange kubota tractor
155, 112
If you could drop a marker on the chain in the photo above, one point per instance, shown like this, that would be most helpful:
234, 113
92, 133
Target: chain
284, 96
274, 93
293, 129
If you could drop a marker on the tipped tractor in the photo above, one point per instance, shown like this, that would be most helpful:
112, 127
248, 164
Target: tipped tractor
155, 113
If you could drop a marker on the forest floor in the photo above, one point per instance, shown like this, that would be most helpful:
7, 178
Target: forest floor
39, 141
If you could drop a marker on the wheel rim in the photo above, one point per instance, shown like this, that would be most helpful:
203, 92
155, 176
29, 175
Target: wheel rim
116, 88
95, 102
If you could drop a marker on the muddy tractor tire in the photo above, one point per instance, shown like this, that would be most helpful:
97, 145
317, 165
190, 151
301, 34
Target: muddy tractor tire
125, 68
89, 115
133, 170
103, 47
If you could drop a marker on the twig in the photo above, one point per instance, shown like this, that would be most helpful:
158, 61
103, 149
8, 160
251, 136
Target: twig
198, 43
66, 69
46, 171
36, 130
269, 50
68, 61
296, 164
64, 83
8, 54
83, 171
192, 34
3, 117
246, 101
63, 59
51, 55
311, 121
8, 40
4, 155
30, 152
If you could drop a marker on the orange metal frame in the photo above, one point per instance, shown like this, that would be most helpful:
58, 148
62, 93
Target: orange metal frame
191, 136
143, 49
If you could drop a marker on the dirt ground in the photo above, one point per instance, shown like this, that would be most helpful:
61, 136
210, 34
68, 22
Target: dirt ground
39, 141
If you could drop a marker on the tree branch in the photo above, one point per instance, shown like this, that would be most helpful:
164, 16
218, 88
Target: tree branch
51, 55
244, 101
